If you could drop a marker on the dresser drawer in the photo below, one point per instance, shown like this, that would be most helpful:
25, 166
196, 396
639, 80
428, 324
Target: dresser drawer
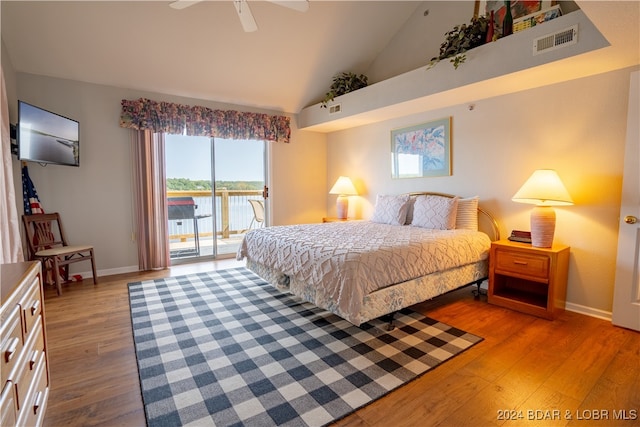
33, 406
529, 265
29, 363
10, 342
31, 305
8, 405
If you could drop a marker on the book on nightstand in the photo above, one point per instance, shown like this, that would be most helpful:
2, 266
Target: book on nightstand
520, 236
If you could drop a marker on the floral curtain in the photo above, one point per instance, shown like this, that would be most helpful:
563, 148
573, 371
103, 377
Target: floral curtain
167, 117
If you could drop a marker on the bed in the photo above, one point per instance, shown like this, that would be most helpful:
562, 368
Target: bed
415, 247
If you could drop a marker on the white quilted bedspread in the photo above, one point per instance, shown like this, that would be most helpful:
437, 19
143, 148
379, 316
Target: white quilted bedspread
347, 260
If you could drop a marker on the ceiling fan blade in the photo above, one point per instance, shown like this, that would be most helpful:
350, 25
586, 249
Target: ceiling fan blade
181, 4
299, 5
246, 17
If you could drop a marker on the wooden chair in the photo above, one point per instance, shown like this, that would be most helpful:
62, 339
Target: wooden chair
47, 243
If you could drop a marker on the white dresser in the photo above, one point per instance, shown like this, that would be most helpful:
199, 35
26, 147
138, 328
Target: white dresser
24, 367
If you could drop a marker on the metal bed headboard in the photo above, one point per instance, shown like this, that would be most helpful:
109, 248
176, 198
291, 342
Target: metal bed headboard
495, 229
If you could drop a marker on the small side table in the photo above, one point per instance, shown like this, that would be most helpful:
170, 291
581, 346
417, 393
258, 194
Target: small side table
528, 279
334, 219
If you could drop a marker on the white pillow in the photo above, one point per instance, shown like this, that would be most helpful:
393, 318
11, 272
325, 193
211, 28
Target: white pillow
391, 209
436, 212
467, 217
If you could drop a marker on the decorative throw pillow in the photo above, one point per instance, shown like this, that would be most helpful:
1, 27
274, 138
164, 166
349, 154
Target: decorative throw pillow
390, 209
436, 212
467, 217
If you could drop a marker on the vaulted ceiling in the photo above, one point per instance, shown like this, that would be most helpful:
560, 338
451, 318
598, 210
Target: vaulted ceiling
202, 51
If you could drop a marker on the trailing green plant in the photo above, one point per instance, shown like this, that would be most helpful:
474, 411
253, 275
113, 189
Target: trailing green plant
344, 83
461, 39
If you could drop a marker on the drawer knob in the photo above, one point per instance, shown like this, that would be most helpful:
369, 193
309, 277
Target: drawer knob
38, 402
11, 351
516, 262
34, 359
34, 307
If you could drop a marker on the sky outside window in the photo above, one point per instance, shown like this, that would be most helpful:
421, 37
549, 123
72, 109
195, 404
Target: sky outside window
236, 160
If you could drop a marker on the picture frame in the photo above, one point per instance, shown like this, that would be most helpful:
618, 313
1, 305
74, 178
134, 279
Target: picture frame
519, 8
422, 150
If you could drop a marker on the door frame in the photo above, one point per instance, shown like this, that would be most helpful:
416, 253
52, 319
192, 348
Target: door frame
626, 294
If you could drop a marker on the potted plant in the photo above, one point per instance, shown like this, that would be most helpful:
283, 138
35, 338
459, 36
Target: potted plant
344, 83
460, 39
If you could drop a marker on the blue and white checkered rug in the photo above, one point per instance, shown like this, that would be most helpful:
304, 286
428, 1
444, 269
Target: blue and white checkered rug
225, 348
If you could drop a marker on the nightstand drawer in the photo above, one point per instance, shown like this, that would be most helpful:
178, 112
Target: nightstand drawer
528, 279
523, 264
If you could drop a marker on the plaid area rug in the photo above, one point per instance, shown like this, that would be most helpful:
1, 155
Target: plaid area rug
225, 348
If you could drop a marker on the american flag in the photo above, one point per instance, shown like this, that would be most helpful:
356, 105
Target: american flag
29, 194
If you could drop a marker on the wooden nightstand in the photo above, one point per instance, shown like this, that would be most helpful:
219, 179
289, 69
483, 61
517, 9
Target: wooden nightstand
528, 279
334, 219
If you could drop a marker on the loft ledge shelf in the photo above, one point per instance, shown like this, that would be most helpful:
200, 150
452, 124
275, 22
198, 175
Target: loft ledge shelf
490, 70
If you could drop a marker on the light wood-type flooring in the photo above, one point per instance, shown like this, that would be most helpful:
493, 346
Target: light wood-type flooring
573, 371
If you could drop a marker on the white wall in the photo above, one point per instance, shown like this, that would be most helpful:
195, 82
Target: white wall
420, 38
95, 200
9, 78
577, 128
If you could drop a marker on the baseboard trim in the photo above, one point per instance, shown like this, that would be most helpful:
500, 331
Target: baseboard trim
589, 311
576, 308
109, 271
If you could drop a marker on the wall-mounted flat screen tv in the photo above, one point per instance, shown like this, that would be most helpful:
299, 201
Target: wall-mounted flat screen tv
46, 137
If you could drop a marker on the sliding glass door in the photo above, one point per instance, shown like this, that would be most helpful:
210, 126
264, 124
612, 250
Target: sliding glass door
215, 191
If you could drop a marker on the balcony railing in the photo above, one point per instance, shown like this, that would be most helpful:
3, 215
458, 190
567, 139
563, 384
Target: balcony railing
233, 213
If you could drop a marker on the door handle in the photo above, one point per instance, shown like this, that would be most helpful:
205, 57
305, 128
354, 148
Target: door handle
630, 219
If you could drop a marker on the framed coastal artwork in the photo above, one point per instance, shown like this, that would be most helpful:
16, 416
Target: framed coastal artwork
422, 150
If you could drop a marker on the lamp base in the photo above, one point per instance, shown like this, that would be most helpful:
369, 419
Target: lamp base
342, 206
543, 226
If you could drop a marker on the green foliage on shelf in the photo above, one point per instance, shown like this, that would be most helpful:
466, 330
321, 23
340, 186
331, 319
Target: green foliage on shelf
344, 83
461, 39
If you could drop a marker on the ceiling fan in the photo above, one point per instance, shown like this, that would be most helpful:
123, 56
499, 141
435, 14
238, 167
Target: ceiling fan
244, 12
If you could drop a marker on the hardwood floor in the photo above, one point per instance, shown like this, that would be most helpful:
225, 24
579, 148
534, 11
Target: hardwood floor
574, 371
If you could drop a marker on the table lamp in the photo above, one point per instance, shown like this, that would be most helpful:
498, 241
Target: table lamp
543, 189
343, 188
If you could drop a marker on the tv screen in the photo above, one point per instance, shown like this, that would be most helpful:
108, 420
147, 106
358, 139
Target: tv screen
46, 137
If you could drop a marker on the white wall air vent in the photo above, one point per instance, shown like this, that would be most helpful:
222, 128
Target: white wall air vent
335, 109
562, 38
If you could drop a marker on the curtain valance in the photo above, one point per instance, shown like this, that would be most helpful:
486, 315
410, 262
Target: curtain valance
167, 117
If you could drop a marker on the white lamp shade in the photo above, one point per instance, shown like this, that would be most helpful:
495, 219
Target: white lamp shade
343, 187
543, 188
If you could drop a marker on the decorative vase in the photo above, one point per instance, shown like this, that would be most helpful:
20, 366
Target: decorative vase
507, 23
490, 29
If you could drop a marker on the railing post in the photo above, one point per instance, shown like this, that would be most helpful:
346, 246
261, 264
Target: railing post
224, 209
